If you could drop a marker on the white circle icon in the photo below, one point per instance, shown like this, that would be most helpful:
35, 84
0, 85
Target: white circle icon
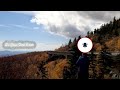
84, 45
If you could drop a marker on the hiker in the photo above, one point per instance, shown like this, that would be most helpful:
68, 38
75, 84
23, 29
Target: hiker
83, 66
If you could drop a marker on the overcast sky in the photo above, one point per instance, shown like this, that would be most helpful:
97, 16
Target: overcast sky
50, 29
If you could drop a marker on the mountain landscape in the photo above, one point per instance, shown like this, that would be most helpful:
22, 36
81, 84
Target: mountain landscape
41, 65
10, 53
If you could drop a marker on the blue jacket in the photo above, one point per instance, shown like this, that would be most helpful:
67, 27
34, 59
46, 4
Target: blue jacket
83, 61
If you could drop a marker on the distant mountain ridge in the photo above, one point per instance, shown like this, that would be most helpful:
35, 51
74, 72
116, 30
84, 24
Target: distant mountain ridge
10, 53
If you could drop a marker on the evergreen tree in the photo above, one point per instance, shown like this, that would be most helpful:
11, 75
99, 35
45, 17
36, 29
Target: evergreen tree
114, 23
92, 65
66, 73
79, 37
91, 33
95, 31
69, 43
88, 33
74, 41
116, 33
42, 69
71, 71
99, 68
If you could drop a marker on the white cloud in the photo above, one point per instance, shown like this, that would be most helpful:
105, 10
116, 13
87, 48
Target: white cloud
64, 23
70, 23
46, 46
1, 47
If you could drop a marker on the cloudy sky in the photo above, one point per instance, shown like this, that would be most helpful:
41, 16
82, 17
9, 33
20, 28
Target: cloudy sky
50, 29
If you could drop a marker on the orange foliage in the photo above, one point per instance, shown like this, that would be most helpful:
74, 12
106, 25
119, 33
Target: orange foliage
24, 66
27, 66
97, 47
113, 44
55, 68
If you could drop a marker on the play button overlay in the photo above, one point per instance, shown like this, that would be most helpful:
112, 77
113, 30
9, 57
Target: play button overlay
85, 45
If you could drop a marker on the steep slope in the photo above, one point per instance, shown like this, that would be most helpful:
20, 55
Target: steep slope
32, 65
